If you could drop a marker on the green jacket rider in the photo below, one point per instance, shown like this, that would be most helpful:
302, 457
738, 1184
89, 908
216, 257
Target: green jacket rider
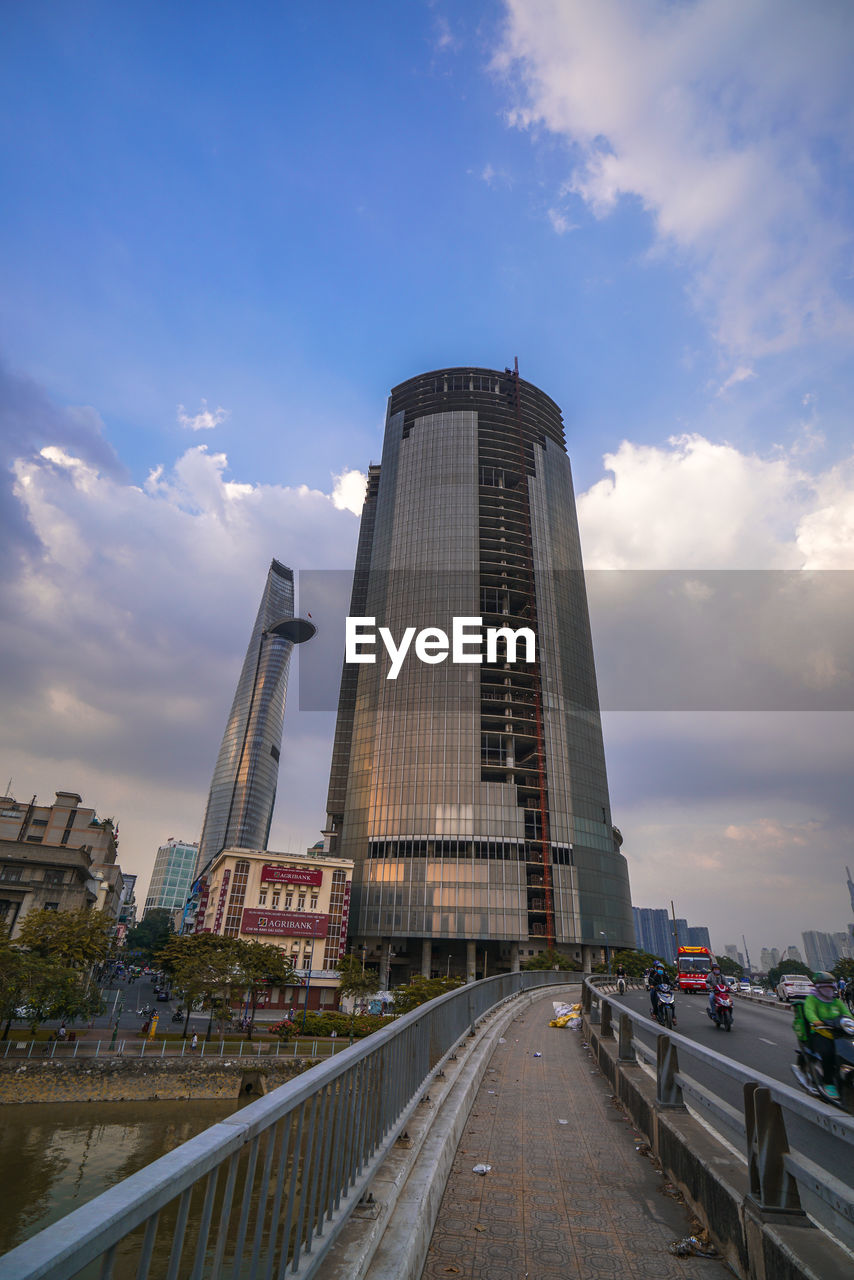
820, 1007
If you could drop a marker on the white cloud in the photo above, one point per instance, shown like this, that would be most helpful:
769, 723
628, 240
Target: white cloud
695, 504
770, 833
446, 41
205, 420
722, 120
122, 637
560, 222
348, 493
742, 374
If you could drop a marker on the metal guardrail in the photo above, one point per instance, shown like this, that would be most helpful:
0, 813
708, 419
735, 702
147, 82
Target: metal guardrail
265, 1192
781, 1178
300, 1047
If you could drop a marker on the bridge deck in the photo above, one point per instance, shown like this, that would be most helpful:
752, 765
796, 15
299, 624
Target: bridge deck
561, 1200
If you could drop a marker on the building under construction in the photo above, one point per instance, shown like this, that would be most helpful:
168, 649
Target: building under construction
472, 795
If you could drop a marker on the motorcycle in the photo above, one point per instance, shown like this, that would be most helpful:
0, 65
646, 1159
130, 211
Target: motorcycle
721, 1011
178, 1015
621, 985
665, 1008
807, 1067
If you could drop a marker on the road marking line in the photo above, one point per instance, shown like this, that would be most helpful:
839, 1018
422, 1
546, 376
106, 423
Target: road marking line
764, 1041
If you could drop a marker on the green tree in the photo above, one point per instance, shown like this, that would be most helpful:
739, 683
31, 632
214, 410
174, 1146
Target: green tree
635, 963
151, 934
844, 968
73, 997
13, 981
202, 966
550, 959
356, 981
420, 989
730, 968
77, 939
261, 965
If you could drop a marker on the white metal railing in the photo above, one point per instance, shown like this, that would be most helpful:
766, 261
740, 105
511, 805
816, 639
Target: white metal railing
772, 1127
265, 1192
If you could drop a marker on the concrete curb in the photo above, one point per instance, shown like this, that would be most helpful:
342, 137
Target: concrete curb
756, 1245
389, 1240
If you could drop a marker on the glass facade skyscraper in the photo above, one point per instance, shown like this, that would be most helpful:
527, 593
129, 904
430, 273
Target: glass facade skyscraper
243, 790
172, 877
473, 796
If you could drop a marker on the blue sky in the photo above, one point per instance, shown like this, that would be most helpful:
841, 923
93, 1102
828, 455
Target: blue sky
229, 230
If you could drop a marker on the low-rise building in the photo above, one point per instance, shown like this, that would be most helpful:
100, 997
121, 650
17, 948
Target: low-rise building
299, 902
58, 857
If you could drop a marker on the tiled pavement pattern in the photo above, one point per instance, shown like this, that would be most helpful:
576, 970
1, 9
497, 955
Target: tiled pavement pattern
562, 1200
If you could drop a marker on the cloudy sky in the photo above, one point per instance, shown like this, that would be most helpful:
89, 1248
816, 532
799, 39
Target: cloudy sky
230, 229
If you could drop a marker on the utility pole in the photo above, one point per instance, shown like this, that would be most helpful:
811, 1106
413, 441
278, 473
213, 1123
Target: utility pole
675, 927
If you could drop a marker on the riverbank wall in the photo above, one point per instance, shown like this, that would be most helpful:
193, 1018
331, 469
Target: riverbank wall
116, 1079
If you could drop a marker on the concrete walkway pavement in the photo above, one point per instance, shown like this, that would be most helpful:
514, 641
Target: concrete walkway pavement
561, 1200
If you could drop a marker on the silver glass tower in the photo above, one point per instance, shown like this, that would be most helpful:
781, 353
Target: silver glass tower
473, 797
243, 790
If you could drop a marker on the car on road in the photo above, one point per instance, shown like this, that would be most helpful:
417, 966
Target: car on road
744, 987
793, 986
163, 995
757, 991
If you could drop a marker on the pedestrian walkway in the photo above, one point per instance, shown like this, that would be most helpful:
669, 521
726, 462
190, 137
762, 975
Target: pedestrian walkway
561, 1200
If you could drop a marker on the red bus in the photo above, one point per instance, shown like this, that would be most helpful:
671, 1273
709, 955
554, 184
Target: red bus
692, 965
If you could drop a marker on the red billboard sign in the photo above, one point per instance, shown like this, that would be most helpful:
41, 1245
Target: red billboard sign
291, 875
345, 917
220, 906
204, 894
285, 924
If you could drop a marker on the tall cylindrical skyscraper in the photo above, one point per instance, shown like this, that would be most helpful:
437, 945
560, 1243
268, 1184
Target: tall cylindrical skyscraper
472, 795
243, 788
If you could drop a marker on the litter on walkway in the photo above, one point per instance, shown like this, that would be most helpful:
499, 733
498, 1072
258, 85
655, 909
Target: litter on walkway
566, 1015
692, 1247
538, 1054
563, 1122
481, 1168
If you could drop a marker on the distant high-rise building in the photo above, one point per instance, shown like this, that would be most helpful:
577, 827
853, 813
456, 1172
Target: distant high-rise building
792, 953
472, 795
698, 936
843, 945
850, 888
821, 950
172, 877
243, 790
654, 930
767, 959
734, 954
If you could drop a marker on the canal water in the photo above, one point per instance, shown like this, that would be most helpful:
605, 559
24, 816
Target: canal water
56, 1156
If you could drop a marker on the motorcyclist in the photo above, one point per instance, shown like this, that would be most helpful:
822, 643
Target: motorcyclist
822, 1005
657, 977
714, 978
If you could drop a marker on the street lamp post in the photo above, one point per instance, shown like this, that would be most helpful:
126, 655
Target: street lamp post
604, 935
307, 989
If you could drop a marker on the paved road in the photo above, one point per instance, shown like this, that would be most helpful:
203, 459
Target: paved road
761, 1038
